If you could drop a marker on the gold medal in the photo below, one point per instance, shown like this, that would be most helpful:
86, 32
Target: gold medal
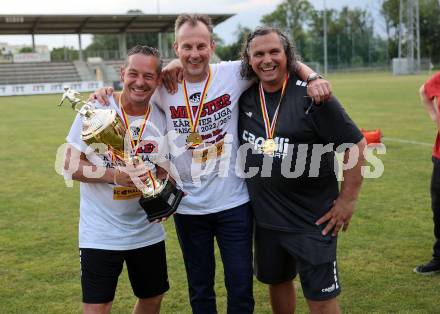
269, 146
194, 139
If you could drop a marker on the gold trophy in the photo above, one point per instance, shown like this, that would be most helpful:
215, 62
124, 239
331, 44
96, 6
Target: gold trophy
98, 125
160, 198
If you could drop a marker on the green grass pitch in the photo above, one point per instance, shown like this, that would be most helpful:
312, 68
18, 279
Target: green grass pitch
391, 231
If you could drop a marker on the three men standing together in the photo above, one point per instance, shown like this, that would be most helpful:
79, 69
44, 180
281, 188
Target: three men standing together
294, 215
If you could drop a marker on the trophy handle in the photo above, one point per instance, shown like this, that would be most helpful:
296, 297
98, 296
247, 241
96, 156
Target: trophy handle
73, 97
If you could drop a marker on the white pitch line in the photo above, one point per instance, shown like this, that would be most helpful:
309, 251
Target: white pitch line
391, 139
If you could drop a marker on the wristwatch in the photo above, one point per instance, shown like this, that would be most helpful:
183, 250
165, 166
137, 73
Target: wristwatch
314, 76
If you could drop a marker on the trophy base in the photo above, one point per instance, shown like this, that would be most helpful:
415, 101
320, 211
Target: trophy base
163, 204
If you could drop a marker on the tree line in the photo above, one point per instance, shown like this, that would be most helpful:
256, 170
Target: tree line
352, 40
351, 36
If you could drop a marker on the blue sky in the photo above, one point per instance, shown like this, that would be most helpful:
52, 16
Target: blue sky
249, 13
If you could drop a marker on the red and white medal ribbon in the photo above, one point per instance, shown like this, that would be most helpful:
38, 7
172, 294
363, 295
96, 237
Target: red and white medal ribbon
268, 126
194, 120
134, 145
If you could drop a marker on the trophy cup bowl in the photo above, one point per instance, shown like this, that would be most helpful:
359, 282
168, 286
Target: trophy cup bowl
106, 127
160, 198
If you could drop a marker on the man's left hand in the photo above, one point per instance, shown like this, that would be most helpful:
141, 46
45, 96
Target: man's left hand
320, 90
338, 216
101, 95
172, 74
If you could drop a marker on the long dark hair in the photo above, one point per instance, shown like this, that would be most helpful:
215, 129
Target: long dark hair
289, 49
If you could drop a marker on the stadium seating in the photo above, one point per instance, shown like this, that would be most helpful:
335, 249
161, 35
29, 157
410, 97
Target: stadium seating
116, 64
41, 72
113, 68
59, 72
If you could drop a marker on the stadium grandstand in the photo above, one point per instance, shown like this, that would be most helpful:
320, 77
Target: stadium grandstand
33, 72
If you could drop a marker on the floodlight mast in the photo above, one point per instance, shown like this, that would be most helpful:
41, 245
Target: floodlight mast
412, 34
399, 53
418, 34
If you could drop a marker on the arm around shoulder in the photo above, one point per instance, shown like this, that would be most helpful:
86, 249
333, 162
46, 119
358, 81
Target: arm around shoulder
317, 87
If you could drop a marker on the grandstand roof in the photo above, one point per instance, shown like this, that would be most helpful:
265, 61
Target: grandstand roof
92, 24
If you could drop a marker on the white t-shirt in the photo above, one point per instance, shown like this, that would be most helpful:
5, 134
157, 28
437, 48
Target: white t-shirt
120, 224
207, 173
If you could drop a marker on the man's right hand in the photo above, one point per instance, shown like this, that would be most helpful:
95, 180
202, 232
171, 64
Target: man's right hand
131, 176
101, 95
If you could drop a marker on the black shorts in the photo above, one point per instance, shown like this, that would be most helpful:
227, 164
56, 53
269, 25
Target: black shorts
276, 262
100, 269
